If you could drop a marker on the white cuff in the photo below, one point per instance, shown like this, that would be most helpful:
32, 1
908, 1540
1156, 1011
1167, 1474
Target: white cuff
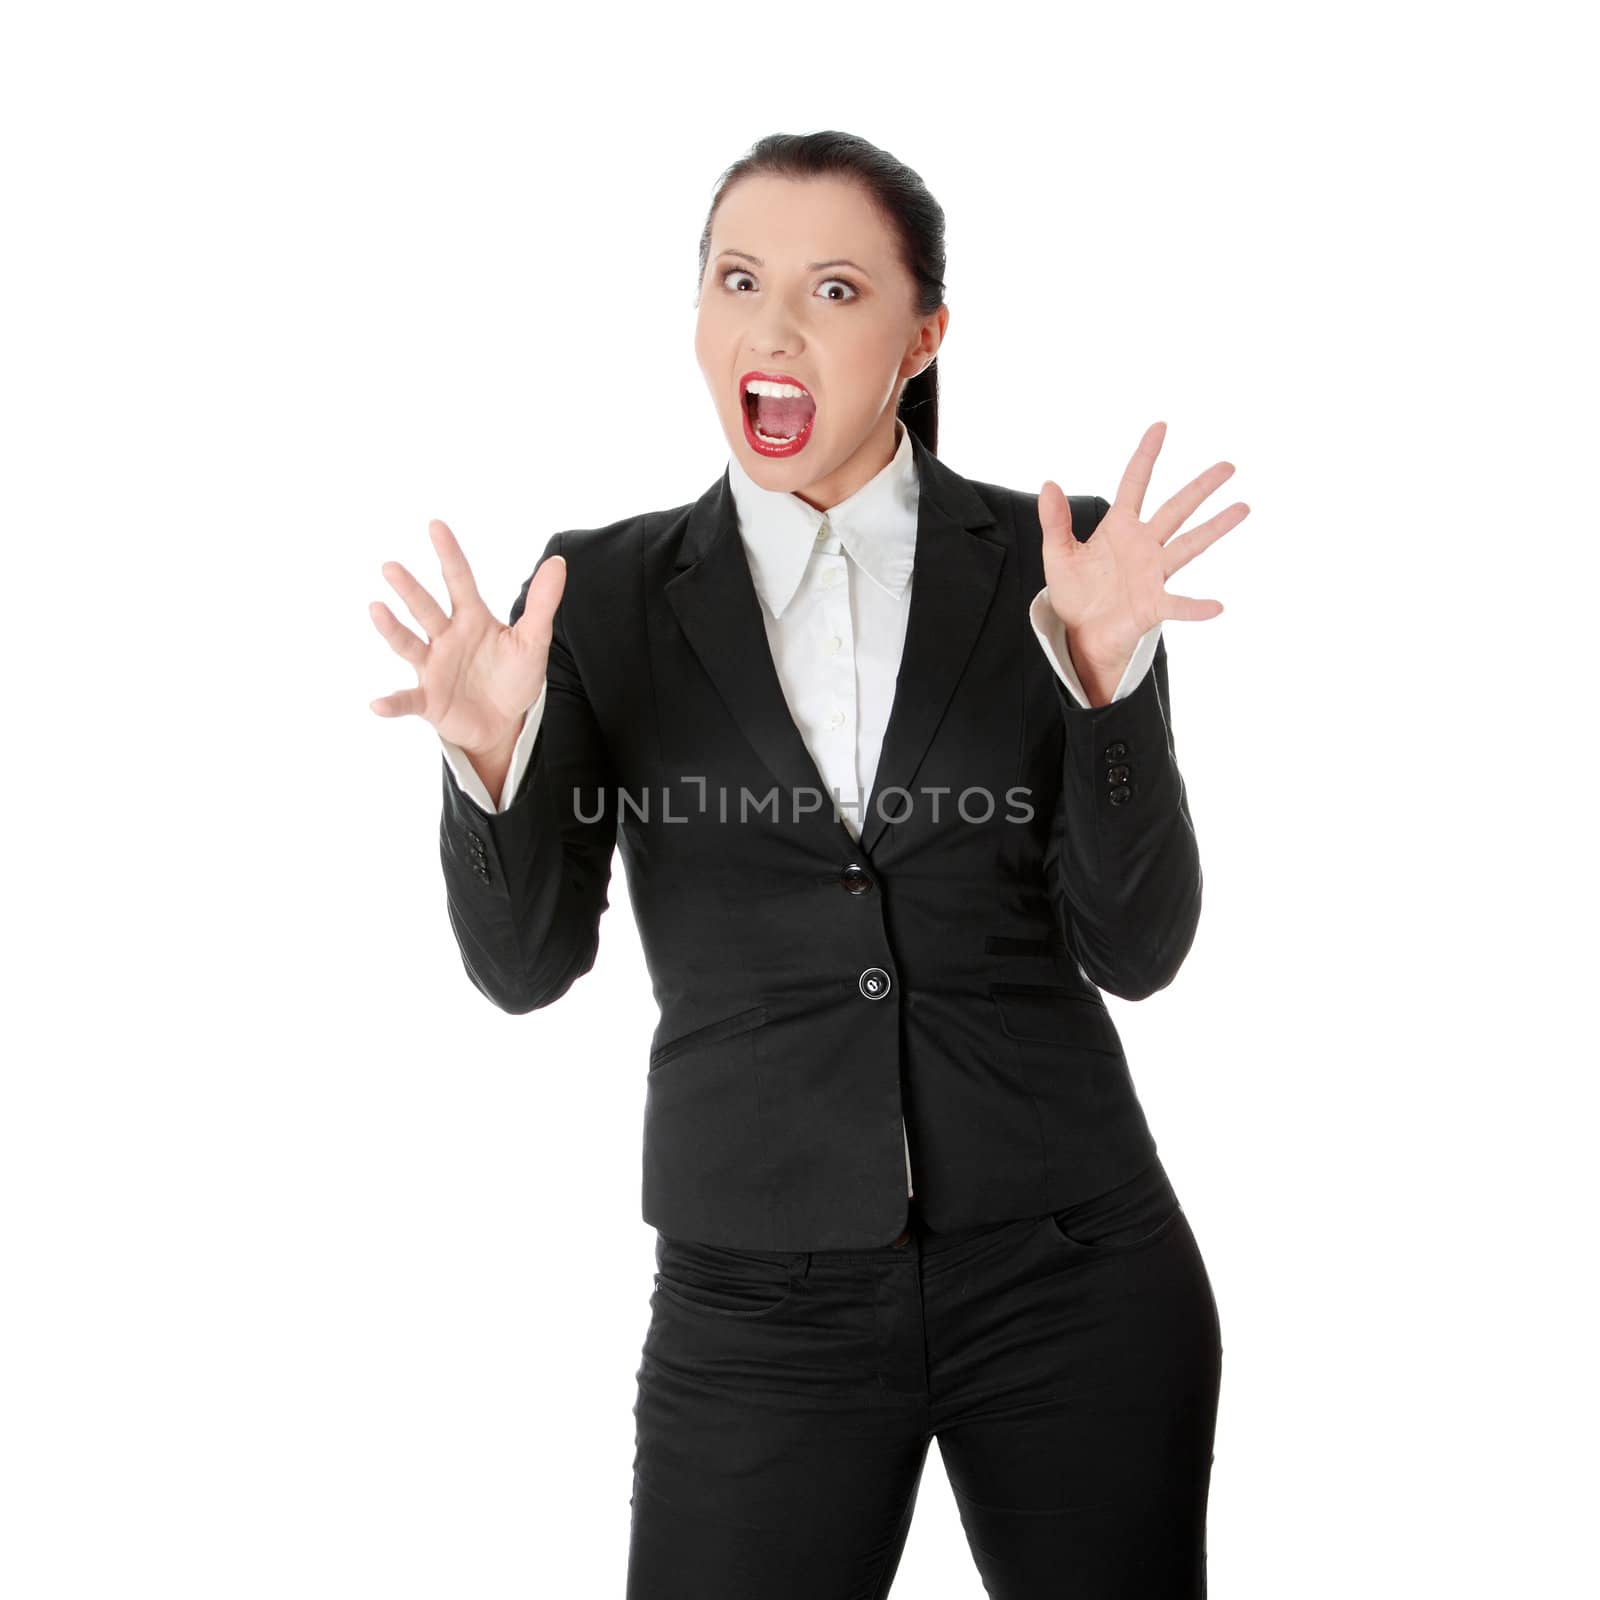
466, 776
1051, 633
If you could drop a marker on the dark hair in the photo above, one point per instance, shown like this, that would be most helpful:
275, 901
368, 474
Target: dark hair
913, 215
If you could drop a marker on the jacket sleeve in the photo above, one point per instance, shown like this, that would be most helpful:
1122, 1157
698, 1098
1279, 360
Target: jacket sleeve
1123, 864
526, 886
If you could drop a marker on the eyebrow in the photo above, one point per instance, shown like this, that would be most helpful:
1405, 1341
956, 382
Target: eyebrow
811, 266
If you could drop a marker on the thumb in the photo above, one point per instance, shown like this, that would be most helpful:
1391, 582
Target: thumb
545, 589
1055, 520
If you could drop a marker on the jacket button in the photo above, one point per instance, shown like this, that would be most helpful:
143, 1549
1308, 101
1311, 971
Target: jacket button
1120, 794
1116, 750
874, 983
1118, 774
856, 878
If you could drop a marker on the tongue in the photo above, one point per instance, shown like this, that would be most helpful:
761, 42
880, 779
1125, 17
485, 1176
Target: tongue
785, 418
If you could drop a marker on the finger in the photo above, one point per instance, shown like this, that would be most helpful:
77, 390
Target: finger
402, 703
1185, 608
1055, 518
1187, 546
545, 589
458, 580
427, 611
1172, 514
1130, 492
401, 639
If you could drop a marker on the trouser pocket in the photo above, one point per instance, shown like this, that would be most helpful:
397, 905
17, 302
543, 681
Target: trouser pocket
721, 1282
1134, 1213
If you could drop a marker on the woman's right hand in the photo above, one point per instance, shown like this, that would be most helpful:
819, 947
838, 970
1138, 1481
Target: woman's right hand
476, 677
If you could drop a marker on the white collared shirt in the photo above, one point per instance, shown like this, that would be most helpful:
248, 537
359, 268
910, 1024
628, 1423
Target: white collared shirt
835, 590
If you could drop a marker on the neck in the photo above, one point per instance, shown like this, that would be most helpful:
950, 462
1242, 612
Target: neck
876, 451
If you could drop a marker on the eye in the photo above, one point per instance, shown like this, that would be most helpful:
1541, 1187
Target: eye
845, 283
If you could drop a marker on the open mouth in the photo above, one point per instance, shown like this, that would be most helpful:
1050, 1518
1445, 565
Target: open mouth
778, 413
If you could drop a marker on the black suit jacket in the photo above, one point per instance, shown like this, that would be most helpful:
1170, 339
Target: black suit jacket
815, 990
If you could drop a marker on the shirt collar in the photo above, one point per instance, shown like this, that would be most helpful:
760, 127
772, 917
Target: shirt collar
877, 526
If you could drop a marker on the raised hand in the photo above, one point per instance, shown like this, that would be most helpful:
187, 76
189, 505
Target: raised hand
1110, 590
476, 677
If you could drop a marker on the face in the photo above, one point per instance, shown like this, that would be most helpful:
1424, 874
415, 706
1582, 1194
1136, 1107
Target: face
803, 288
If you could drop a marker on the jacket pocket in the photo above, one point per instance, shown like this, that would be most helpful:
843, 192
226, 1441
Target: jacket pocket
1004, 944
723, 1028
1049, 1013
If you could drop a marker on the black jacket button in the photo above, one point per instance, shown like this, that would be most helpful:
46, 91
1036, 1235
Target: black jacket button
1120, 794
1116, 750
1118, 774
856, 878
874, 983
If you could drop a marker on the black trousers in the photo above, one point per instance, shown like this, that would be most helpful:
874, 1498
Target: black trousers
1069, 1366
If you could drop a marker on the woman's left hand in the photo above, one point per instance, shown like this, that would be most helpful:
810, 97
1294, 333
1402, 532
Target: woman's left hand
1110, 590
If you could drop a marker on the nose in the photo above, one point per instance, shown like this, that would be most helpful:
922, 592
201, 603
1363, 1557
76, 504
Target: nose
775, 336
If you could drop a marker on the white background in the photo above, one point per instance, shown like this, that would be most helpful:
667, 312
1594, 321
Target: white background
324, 1278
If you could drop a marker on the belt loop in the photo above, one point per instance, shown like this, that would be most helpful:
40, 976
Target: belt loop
801, 1264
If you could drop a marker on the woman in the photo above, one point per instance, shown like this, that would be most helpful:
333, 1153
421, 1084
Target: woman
901, 1183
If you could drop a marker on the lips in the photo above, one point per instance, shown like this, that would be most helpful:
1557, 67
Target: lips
778, 412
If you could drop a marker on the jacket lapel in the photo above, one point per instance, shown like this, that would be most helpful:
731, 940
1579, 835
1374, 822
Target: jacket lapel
952, 587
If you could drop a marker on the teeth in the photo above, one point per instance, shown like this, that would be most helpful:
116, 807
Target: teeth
775, 391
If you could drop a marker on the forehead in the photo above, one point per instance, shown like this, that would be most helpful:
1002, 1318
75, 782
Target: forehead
789, 221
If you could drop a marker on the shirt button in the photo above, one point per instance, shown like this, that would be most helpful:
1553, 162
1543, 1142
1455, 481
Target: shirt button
831, 577
836, 719
874, 983
833, 646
